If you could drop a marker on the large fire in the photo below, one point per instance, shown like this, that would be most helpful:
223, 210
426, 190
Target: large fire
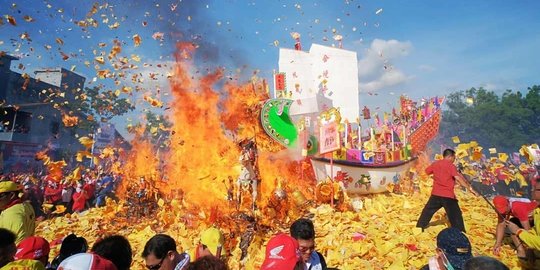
203, 161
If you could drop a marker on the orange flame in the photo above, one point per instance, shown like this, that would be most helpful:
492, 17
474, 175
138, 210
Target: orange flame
204, 151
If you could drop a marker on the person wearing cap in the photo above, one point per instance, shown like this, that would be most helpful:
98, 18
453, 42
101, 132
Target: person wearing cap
516, 210
283, 253
160, 254
445, 175
530, 237
304, 232
86, 261
211, 244
453, 250
16, 215
34, 248
8, 251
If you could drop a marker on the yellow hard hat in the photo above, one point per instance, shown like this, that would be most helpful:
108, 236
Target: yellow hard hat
212, 238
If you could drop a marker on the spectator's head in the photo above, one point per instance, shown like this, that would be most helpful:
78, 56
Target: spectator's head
9, 192
282, 253
484, 262
160, 253
33, 248
449, 154
208, 263
71, 245
304, 232
7, 246
79, 187
454, 245
212, 241
502, 204
86, 261
116, 249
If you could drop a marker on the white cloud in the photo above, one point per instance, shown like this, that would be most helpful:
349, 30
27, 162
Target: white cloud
387, 79
426, 68
375, 68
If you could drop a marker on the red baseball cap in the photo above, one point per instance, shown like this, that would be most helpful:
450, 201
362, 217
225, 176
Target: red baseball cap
501, 204
282, 253
32, 248
86, 261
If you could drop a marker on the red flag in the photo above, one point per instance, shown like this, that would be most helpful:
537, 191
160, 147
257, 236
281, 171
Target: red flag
280, 81
366, 113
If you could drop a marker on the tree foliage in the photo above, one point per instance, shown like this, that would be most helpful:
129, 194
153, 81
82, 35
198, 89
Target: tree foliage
506, 121
155, 128
94, 106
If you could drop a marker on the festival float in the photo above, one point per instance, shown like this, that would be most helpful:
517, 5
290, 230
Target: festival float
316, 111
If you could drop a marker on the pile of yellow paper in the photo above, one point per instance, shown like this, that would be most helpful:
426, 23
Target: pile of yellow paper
382, 235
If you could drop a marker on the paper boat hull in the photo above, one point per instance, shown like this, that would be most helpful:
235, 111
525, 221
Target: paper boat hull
380, 175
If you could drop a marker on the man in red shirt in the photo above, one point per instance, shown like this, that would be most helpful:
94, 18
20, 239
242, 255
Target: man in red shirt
445, 175
53, 193
521, 211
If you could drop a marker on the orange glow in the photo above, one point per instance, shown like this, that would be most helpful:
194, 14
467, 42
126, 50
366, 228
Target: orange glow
204, 153
69, 120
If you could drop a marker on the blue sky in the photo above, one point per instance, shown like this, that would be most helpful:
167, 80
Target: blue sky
429, 47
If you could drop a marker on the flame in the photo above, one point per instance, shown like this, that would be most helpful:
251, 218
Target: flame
70, 120
204, 151
142, 162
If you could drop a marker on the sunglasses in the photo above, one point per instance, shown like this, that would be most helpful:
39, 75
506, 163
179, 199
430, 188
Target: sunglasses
155, 266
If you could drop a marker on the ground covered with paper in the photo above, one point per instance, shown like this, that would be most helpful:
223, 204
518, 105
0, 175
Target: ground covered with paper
380, 236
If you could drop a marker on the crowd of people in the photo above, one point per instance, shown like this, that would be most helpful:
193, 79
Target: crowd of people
48, 196
22, 199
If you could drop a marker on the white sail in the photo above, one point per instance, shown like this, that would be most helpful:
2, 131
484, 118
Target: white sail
321, 78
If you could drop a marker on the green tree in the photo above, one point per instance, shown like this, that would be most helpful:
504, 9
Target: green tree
155, 128
506, 122
94, 105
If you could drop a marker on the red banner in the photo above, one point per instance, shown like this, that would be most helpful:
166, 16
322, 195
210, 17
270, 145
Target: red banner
280, 81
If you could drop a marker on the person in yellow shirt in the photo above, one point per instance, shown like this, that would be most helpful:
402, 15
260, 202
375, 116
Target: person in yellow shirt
16, 215
24, 265
531, 237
